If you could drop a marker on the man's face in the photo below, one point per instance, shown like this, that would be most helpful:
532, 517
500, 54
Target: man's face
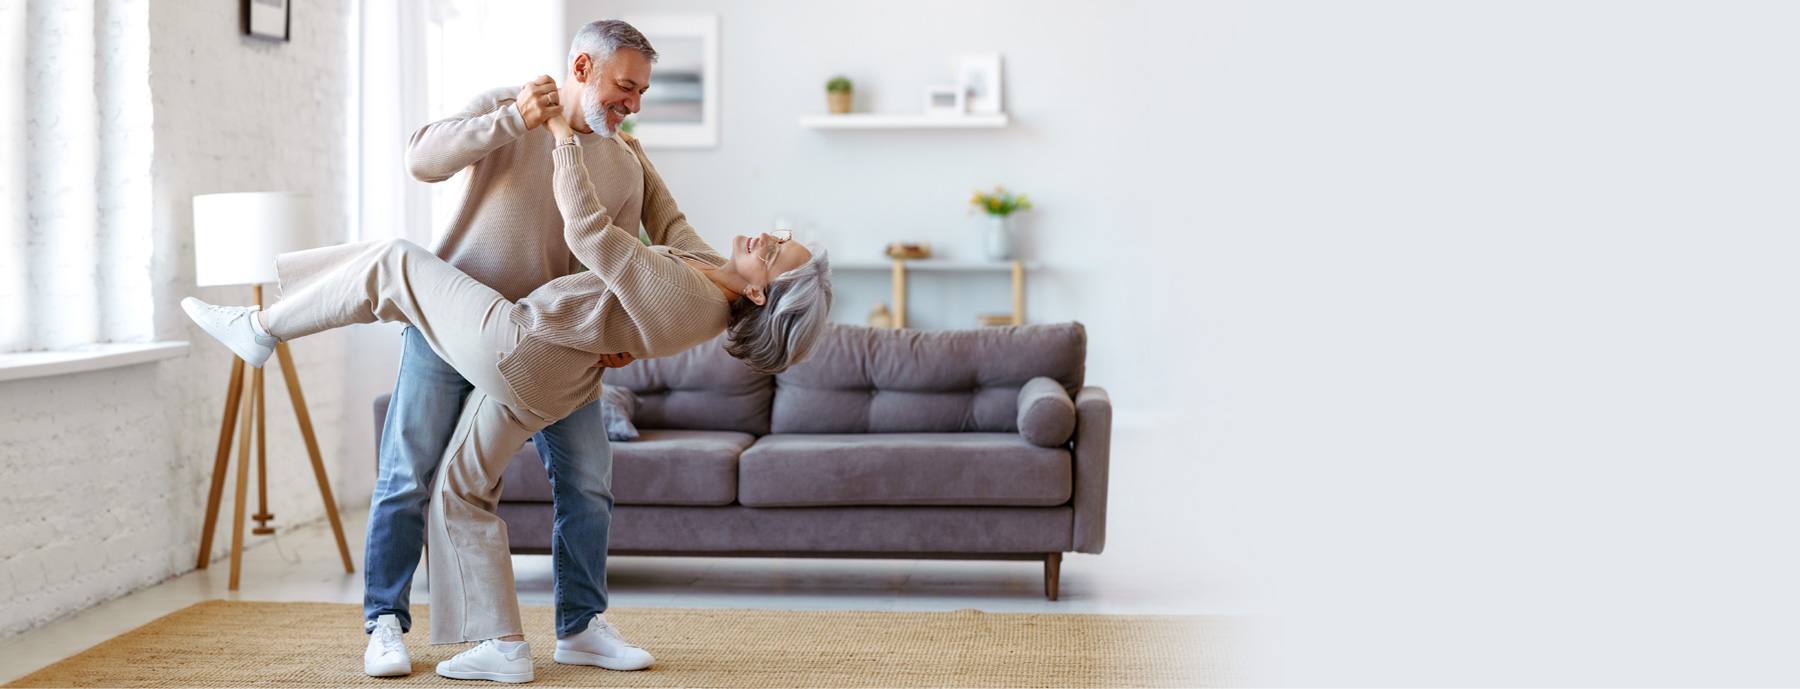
614, 89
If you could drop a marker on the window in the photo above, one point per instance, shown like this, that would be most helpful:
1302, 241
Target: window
75, 237
476, 45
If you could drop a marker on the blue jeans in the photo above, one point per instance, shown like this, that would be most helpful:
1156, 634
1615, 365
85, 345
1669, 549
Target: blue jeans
428, 399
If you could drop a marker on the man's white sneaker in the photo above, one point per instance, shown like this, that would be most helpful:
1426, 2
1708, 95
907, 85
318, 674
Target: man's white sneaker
601, 645
231, 325
488, 662
386, 656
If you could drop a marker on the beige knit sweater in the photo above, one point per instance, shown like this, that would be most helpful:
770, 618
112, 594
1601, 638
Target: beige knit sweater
507, 232
637, 299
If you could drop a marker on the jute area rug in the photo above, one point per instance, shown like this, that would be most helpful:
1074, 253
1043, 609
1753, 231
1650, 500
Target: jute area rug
240, 644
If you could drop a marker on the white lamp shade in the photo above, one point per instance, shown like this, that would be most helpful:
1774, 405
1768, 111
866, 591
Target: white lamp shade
238, 236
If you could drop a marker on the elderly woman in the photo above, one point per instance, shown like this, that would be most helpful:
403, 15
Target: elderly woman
539, 359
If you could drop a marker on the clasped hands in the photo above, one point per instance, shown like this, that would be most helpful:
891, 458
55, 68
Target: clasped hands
540, 104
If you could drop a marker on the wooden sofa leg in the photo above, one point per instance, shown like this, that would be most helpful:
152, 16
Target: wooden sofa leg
1052, 572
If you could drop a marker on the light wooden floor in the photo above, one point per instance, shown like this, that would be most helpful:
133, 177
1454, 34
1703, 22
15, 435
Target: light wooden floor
1161, 558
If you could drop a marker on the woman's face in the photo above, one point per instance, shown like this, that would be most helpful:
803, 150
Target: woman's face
764, 257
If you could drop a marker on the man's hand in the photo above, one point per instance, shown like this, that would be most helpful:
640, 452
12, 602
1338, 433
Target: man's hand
538, 101
614, 360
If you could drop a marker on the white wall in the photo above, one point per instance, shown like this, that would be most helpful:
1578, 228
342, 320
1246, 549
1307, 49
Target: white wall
1478, 316
1505, 357
103, 475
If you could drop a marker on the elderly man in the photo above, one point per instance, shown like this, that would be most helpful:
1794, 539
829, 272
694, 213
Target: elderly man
508, 234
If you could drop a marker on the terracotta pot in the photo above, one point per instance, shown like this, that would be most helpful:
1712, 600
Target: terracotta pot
840, 102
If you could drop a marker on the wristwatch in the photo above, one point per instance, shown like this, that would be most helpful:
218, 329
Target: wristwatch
568, 141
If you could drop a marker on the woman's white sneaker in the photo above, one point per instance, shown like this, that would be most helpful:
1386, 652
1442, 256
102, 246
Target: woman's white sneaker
386, 655
231, 325
490, 662
601, 645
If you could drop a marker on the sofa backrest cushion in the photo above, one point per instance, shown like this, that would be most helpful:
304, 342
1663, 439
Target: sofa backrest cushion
882, 380
700, 389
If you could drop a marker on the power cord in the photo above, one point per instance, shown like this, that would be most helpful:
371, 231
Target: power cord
282, 553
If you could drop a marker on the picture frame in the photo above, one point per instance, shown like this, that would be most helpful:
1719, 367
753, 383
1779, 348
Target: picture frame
981, 82
266, 19
681, 108
944, 100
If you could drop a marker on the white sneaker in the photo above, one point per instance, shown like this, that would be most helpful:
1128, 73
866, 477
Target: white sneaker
601, 645
231, 325
487, 661
386, 656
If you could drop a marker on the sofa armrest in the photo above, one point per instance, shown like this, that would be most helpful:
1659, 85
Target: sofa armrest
1093, 447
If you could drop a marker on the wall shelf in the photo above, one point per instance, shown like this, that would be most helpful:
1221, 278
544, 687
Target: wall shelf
875, 121
935, 264
902, 267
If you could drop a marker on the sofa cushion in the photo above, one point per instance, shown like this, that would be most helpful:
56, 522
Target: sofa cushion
882, 380
661, 467
701, 389
1046, 414
998, 469
673, 467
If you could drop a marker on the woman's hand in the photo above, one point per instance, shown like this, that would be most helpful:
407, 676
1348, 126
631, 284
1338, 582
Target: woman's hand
559, 126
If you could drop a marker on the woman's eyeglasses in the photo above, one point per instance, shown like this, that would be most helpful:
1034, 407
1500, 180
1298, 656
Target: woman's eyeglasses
772, 250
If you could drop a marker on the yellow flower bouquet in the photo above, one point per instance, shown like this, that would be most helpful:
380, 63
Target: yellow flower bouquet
1000, 203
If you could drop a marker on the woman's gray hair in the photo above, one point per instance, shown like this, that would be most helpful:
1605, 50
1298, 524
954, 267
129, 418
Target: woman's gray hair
783, 331
600, 39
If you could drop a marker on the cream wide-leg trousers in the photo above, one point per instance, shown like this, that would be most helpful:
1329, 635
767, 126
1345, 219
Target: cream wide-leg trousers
467, 323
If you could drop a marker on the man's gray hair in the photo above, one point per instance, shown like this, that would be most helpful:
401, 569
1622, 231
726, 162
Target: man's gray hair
600, 39
783, 331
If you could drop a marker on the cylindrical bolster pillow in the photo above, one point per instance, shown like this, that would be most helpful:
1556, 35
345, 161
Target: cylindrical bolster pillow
1046, 414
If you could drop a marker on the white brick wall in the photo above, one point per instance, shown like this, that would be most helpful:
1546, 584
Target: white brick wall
103, 475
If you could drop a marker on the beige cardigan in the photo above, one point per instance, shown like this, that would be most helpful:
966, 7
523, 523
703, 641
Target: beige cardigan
635, 299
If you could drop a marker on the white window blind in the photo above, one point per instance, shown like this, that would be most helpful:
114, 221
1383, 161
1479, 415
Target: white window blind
75, 238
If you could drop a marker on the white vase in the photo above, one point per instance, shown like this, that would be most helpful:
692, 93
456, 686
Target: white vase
999, 238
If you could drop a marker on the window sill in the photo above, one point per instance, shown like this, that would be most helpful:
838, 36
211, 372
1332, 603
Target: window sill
85, 359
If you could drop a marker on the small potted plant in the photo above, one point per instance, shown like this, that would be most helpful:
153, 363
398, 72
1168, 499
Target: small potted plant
837, 93
999, 207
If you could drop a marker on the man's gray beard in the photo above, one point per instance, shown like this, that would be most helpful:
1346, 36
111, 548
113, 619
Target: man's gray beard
594, 112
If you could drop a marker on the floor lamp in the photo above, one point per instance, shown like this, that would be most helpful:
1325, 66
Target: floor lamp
236, 239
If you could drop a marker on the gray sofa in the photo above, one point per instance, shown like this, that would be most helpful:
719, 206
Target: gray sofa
951, 444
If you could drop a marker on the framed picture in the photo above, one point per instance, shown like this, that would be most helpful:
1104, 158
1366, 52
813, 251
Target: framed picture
979, 76
266, 19
681, 109
944, 101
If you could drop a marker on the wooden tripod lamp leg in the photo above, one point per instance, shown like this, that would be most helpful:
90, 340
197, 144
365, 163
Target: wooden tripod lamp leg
262, 515
243, 485
234, 394
312, 448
